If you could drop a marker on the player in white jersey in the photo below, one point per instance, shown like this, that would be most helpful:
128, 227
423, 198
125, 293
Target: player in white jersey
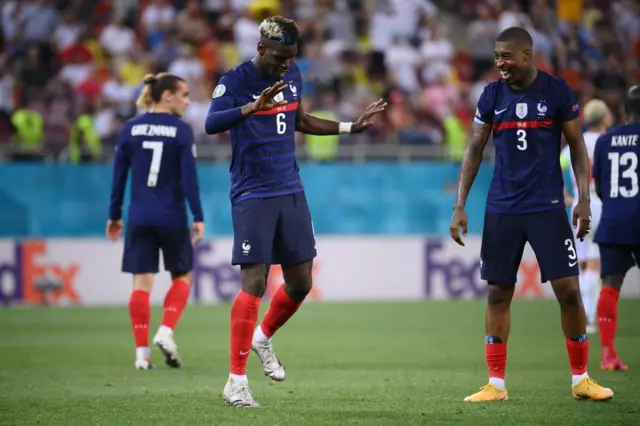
598, 119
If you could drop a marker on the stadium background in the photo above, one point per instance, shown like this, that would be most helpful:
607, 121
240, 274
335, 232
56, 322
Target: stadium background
381, 201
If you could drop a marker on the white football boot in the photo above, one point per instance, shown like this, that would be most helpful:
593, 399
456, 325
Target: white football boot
238, 394
164, 341
270, 363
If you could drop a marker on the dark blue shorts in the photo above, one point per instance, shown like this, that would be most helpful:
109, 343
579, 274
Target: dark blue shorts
273, 231
142, 247
617, 259
505, 235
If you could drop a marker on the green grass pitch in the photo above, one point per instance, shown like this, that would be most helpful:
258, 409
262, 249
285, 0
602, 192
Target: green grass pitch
347, 364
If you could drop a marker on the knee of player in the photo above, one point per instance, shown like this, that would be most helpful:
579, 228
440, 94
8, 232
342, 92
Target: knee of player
499, 296
254, 281
570, 297
299, 289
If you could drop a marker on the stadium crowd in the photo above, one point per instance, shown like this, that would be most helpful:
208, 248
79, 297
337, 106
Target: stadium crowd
71, 69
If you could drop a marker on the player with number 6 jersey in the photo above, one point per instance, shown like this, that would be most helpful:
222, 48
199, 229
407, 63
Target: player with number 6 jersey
615, 174
528, 111
158, 149
259, 101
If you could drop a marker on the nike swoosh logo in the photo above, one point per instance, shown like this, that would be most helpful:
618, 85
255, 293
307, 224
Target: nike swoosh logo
500, 112
244, 353
256, 96
573, 264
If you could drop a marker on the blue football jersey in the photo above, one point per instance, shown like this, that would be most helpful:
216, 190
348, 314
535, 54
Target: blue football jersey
616, 168
527, 129
160, 152
263, 162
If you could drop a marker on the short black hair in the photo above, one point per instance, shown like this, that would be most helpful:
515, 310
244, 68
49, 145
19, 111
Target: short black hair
515, 35
280, 29
632, 101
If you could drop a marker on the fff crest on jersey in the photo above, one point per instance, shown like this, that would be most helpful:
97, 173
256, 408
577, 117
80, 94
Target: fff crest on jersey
521, 110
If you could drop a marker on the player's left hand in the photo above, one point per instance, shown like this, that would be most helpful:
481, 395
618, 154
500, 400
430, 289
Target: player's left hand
197, 232
582, 215
114, 229
366, 120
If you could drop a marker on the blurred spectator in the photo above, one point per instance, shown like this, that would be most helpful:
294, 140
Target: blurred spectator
74, 67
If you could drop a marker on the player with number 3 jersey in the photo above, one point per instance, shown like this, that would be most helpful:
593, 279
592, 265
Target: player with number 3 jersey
527, 111
158, 149
615, 174
260, 102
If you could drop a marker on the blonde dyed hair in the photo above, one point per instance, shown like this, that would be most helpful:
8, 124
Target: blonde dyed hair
154, 87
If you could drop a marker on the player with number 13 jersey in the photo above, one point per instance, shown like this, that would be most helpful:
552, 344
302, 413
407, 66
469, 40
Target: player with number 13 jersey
615, 175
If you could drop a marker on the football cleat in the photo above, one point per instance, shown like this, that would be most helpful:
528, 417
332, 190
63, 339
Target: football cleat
143, 364
168, 347
270, 363
588, 388
488, 393
238, 394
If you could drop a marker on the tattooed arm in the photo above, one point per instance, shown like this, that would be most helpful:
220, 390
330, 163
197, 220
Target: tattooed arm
468, 171
471, 162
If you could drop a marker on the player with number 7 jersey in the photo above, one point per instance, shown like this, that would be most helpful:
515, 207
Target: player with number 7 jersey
158, 149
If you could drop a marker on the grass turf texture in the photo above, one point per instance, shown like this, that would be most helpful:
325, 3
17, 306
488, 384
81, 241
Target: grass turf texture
367, 364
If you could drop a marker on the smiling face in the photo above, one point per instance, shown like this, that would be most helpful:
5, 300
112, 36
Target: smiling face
512, 60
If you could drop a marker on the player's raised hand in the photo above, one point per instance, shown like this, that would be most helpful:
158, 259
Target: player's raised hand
366, 120
197, 232
114, 229
266, 101
458, 220
582, 215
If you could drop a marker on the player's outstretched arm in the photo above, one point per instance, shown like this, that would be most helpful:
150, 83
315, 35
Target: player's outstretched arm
468, 172
307, 123
223, 115
120, 172
572, 131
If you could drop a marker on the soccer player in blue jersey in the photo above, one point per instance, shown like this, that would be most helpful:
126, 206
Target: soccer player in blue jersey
615, 175
158, 148
528, 110
259, 101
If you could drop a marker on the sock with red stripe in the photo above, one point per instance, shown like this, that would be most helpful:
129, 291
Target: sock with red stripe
496, 356
244, 315
140, 314
608, 320
174, 303
282, 308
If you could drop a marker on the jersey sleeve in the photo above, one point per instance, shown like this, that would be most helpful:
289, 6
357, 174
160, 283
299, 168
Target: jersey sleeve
224, 95
569, 109
484, 110
189, 174
120, 173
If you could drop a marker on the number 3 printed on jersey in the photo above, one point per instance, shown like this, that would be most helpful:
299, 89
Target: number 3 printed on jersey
522, 139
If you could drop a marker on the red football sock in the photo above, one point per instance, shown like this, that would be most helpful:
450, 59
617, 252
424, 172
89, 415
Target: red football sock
282, 308
244, 315
174, 303
608, 319
140, 314
496, 355
578, 356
